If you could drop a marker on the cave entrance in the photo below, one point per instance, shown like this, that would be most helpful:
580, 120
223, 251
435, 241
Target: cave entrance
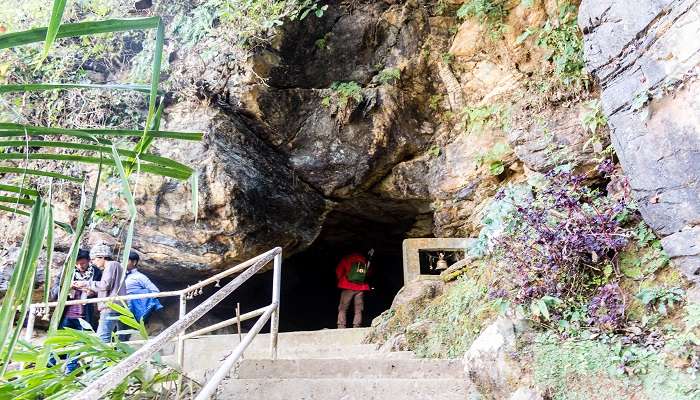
309, 295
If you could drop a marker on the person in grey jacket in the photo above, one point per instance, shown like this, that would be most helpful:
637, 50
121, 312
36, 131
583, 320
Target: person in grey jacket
111, 284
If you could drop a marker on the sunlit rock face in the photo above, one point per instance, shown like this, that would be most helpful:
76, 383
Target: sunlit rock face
645, 56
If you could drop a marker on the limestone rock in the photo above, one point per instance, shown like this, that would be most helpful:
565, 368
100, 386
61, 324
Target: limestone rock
554, 137
489, 365
407, 304
647, 68
525, 394
249, 199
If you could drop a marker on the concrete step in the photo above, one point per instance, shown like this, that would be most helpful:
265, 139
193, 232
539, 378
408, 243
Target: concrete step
198, 365
349, 368
343, 389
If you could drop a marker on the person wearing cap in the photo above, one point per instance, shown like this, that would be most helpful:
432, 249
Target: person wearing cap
110, 285
138, 283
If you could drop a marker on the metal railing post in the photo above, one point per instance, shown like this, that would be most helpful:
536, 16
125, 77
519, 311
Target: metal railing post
181, 335
31, 316
275, 319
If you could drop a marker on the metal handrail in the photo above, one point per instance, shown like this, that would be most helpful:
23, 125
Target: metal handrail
119, 372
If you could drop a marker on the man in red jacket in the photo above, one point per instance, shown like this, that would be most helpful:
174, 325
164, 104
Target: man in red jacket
351, 273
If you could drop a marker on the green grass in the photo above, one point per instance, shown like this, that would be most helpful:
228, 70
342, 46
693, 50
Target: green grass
458, 317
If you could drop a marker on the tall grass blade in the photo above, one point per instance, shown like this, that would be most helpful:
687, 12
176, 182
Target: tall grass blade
148, 168
54, 24
19, 291
78, 29
49, 249
8, 129
36, 172
38, 87
131, 204
18, 190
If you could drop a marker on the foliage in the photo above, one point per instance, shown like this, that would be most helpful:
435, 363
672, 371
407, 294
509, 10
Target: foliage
594, 118
447, 58
42, 380
491, 13
661, 299
455, 320
75, 147
563, 39
494, 158
343, 92
606, 310
568, 368
475, 119
254, 19
389, 76
555, 241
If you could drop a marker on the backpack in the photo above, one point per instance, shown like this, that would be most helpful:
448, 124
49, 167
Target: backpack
357, 272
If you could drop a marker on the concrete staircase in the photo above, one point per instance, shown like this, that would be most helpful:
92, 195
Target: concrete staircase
324, 365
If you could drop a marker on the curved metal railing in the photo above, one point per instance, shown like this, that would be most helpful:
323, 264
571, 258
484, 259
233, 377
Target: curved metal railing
177, 331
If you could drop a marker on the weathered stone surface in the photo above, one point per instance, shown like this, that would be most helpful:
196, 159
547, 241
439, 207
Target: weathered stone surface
248, 197
390, 327
488, 363
647, 68
554, 137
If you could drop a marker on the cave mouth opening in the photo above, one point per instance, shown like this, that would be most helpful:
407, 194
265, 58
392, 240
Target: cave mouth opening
309, 292
309, 295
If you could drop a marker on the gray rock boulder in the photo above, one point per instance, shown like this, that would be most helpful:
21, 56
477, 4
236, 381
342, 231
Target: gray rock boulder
646, 57
489, 364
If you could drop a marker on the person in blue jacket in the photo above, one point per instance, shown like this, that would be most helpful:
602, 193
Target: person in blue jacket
138, 283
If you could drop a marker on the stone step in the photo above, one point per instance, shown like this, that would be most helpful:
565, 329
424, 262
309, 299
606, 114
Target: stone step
343, 389
349, 368
198, 365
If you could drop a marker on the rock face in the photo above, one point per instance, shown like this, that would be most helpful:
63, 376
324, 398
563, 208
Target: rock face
646, 57
489, 364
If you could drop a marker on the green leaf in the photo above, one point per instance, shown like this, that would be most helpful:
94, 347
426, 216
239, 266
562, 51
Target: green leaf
36, 172
37, 87
148, 168
19, 190
496, 167
78, 29
19, 130
54, 24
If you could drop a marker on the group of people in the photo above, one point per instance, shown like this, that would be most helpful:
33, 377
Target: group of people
98, 275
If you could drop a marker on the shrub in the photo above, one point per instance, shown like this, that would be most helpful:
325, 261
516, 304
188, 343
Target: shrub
491, 13
475, 119
563, 39
556, 240
344, 92
389, 75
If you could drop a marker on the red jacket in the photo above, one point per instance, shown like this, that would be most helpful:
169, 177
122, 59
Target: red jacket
341, 272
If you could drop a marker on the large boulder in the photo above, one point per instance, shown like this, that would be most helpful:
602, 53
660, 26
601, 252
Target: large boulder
249, 200
490, 363
646, 57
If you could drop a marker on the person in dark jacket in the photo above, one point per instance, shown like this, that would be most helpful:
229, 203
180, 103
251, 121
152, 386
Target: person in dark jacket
138, 283
351, 273
72, 314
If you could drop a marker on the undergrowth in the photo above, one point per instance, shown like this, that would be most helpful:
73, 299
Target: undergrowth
456, 319
491, 13
621, 370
